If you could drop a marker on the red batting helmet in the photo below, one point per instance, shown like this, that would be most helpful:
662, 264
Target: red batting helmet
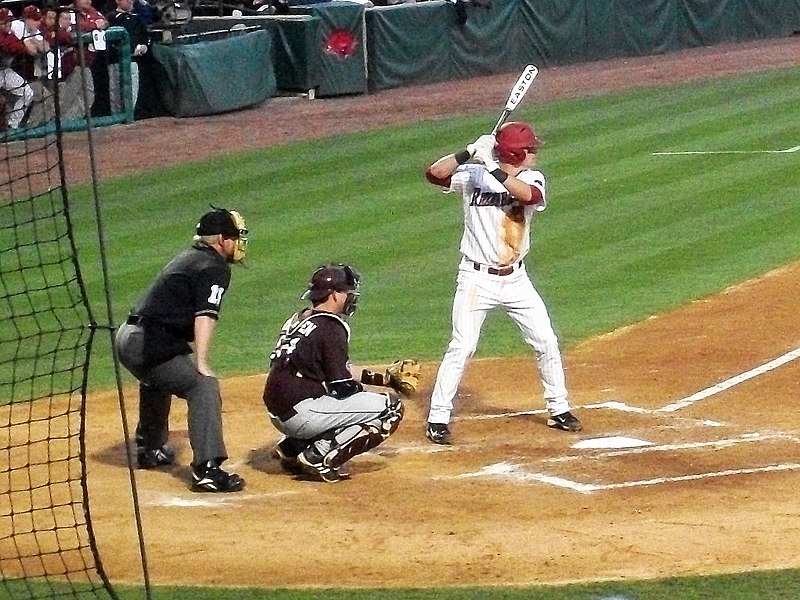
513, 140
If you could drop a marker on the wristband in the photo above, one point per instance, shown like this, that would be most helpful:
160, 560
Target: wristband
462, 157
500, 175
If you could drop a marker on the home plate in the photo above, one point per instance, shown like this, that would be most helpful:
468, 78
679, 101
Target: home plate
615, 441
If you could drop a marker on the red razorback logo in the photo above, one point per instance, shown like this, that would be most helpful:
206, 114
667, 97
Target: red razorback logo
340, 43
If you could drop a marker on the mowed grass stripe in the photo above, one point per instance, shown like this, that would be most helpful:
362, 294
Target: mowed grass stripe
627, 234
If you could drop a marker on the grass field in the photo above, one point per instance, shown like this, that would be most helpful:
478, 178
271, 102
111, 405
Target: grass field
627, 234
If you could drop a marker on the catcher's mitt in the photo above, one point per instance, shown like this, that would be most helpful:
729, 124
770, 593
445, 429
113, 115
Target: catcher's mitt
403, 376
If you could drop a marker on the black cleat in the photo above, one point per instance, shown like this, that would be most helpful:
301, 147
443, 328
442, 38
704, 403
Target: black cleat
313, 464
210, 478
157, 457
285, 452
438, 433
565, 422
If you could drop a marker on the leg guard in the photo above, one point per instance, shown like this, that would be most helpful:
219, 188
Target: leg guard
357, 439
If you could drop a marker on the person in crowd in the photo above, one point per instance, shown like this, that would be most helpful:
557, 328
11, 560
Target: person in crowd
66, 65
31, 28
13, 48
140, 42
89, 19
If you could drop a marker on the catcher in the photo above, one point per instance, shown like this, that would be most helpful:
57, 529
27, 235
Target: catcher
326, 416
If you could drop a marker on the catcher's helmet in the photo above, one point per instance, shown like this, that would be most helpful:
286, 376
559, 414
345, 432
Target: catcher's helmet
513, 140
334, 278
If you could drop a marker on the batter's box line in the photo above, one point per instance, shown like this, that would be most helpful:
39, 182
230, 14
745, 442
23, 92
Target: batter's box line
611, 405
732, 381
516, 473
716, 444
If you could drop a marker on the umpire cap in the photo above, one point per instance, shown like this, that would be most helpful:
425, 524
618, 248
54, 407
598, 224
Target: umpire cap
218, 221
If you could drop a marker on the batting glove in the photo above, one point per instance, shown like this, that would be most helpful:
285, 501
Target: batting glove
484, 144
487, 160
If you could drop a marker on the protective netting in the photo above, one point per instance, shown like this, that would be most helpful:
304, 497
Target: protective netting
47, 545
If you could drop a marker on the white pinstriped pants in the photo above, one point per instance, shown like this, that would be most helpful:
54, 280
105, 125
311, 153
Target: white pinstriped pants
476, 294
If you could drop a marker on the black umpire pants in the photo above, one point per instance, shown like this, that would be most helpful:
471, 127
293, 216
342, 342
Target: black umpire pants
177, 376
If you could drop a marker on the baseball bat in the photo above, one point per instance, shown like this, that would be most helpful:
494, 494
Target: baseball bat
517, 94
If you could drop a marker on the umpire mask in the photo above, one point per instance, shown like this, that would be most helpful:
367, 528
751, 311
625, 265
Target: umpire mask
227, 223
241, 241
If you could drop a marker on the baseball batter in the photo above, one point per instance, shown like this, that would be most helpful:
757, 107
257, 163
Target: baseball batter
500, 198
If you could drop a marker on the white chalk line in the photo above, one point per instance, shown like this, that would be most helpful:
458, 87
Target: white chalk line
689, 152
729, 383
674, 406
515, 472
203, 500
716, 444
509, 470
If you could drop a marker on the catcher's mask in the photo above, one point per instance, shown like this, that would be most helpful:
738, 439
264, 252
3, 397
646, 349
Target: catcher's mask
513, 141
334, 278
227, 223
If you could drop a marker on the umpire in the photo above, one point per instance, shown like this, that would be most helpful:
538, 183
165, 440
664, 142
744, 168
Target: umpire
182, 306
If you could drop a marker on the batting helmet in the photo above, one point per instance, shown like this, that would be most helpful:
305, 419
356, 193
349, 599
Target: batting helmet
334, 278
513, 140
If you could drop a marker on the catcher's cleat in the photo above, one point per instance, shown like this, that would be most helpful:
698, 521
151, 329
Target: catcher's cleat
438, 433
313, 464
209, 477
157, 457
289, 464
565, 422
288, 447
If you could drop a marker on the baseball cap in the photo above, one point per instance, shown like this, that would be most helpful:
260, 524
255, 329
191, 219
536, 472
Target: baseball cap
31, 12
218, 221
6, 16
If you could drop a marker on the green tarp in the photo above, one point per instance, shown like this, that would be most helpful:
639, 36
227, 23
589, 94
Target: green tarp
340, 44
210, 77
295, 53
426, 42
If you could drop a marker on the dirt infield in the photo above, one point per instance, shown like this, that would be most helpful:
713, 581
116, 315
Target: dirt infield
696, 409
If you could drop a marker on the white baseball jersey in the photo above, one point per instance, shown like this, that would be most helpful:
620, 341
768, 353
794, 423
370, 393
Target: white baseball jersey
495, 238
491, 275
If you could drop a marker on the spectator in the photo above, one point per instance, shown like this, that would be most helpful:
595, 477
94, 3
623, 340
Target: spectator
68, 71
11, 48
147, 12
89, 19
33, 67
139, 43
28, 29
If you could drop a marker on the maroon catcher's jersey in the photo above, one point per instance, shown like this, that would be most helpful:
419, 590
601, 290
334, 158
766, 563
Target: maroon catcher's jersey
311, 352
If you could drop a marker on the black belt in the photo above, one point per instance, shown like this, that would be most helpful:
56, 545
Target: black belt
135, 320
492, 271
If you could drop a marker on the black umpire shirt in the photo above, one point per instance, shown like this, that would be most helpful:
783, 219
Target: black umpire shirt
191, 285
